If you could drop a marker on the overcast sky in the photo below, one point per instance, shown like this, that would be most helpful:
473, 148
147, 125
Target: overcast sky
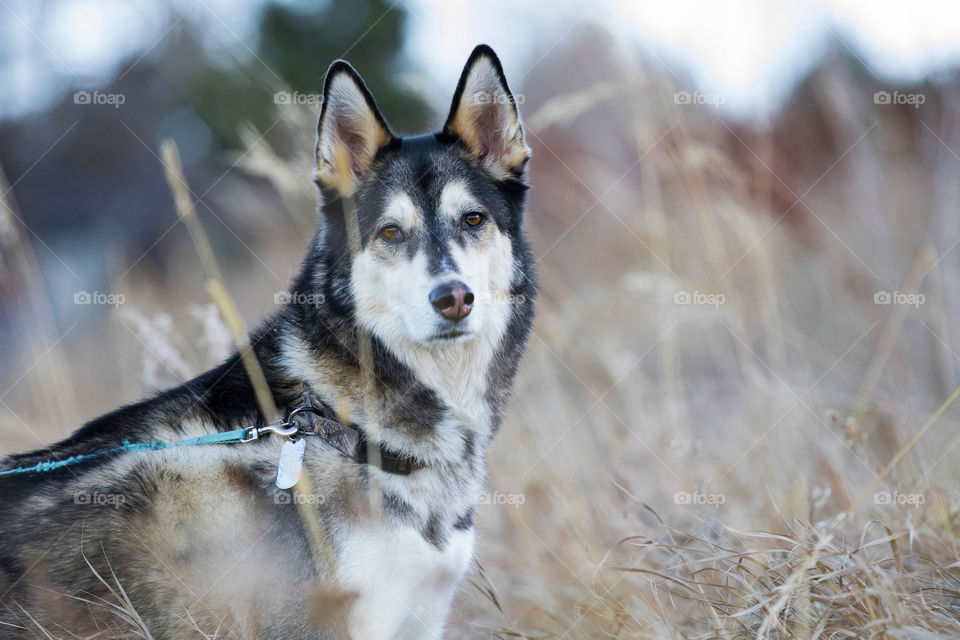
749, 51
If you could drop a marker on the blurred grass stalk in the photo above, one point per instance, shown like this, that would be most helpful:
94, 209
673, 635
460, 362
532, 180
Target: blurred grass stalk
234, 322
54, 404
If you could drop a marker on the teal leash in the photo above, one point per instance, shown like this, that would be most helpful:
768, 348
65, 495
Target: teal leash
349, 440
236, 436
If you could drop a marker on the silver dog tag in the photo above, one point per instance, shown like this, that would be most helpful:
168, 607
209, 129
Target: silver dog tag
291, 461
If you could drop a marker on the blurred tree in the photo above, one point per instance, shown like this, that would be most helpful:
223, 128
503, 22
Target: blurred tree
100, 158
295, 45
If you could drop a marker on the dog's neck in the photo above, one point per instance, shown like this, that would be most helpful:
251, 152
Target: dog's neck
436, 404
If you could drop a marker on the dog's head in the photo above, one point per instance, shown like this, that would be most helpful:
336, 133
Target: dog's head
422, 233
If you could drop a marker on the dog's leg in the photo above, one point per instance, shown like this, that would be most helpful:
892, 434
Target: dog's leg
405, 583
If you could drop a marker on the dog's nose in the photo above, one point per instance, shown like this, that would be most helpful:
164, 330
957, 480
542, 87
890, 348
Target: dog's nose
452, 300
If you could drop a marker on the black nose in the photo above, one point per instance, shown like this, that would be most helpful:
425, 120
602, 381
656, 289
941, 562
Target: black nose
452, 300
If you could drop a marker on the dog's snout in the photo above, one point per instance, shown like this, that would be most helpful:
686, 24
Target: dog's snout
452, 300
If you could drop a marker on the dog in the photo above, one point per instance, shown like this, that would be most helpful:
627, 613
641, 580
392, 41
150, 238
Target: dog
390, 364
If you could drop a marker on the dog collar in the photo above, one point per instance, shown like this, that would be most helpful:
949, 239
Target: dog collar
308, 420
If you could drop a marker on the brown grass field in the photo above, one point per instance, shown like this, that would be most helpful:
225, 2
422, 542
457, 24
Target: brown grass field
721, 428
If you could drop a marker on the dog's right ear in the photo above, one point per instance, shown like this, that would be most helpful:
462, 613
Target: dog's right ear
350, 132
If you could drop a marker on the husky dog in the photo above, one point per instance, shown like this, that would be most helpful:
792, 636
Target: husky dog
420, 263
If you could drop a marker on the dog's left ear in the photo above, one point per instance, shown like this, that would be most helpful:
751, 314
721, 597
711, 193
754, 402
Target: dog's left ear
484, 116
350, 124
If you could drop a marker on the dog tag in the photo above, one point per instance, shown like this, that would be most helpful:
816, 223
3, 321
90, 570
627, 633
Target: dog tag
291, 461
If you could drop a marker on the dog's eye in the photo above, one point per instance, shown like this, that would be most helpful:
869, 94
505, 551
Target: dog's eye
390, 232
473, 219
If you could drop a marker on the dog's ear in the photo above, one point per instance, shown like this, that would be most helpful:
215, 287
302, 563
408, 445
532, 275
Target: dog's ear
484, 116
349, 120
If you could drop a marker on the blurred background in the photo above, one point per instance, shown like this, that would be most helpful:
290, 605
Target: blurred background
735, 417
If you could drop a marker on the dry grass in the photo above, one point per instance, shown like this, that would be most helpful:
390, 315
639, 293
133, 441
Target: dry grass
785, 412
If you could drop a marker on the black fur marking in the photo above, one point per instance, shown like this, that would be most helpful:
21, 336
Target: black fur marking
434, 533
11, 568
465, 521
397, 507
470, 451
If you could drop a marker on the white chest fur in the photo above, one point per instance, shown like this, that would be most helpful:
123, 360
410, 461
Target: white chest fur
405, 584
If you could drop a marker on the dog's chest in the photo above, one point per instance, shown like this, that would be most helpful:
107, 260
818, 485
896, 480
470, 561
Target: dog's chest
404, 583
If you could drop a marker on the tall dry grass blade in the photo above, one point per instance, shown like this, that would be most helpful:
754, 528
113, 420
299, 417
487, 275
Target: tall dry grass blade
38, 625
941, 324
906, 449
565, 108
235, 324
655, 216
183, 199
260, 159
214, 284
234, 321
364, 343
21, 282
888, 339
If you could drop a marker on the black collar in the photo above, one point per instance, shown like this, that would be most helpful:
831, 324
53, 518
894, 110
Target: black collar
348, 439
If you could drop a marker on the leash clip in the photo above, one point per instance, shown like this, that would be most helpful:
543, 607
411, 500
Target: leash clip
288, 429
291, 427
